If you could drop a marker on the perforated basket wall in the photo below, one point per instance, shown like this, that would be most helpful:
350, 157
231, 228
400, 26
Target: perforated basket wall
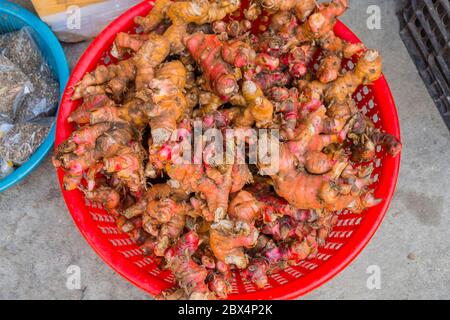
346, 240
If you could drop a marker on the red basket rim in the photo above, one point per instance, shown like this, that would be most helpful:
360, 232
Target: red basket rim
153, 285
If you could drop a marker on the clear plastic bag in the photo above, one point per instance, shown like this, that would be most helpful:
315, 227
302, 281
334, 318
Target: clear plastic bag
42, 102
78, 20
14, 86
19, 142
4, 128
6, 168
20, 48
29, 97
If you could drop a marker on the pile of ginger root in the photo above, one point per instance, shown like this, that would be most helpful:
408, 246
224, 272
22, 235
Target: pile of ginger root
196, 61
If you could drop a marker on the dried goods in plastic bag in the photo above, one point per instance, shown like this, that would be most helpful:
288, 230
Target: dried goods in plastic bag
21, 49
14, 86
22, 140
6, 168
42, 102
4, 128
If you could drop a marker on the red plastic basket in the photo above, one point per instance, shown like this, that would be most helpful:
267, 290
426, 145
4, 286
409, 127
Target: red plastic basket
345, 242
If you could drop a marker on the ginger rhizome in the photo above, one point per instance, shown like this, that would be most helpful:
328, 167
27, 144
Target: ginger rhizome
207, 50
302, 9
132, 150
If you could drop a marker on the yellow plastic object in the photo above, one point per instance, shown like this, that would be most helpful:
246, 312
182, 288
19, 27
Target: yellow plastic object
49, 7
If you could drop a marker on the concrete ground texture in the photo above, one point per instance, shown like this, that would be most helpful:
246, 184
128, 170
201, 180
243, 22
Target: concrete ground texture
39, 240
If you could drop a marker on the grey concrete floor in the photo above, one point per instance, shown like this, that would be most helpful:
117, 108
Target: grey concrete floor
38, 239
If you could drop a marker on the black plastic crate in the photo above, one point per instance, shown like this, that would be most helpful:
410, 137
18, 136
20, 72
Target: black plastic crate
425, 30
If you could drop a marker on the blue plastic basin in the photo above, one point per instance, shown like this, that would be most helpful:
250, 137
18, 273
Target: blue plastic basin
12, 18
